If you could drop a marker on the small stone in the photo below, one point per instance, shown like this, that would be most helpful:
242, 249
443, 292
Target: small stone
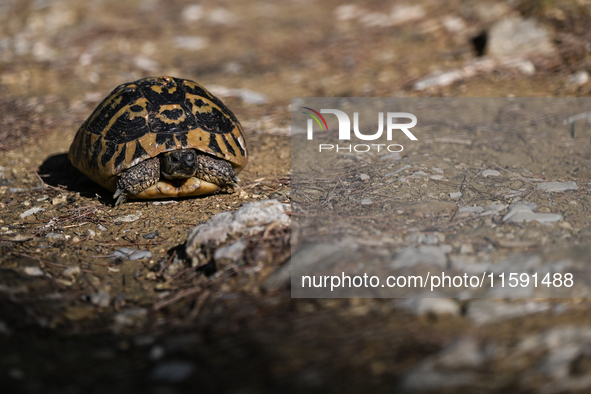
127, 218
165, 202
471, 209
557, 186
56, 236
366, 201
31, 211
514, 36
453, 24
100, 299
422, 254
250, 219
391, 156
439, 79
436, 306
364, 177
91, 233
455, 195
398, 170
487, 173
193, 13
466, 248
151, 235
522, 213
71, 272
59, 199
578, 79
191, 43
101, 227
130, 254
33, 271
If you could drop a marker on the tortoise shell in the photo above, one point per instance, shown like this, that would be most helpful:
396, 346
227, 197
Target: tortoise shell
141, 119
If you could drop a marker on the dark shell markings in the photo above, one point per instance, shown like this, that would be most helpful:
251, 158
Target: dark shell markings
141, 119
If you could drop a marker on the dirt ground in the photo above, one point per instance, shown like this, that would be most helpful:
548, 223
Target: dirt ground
119, 325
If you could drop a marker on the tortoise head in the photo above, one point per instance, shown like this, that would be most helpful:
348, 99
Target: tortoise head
178, 164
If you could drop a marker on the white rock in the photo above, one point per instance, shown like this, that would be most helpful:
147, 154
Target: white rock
557, 186
193, 13
455, 195
422, 254
100, 299
522, 213
127, 218
70, 272
487, 173
440, 79
250, 219
453, 24
364, 177
514, 36
493, 209
33, 271
31, 211
578, 79
191, 43
366, 201
471, 209
130, 254
406, 13
436, 306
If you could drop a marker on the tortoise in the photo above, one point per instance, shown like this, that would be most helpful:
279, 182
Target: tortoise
160, 137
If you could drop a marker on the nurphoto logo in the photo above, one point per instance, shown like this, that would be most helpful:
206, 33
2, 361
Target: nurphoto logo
345, 130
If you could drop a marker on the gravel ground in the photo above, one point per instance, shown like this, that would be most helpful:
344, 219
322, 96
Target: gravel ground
97, 298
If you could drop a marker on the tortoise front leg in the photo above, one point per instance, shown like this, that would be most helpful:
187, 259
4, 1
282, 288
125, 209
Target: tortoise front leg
137, 179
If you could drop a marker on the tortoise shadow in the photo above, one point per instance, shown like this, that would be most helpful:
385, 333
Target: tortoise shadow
58, 171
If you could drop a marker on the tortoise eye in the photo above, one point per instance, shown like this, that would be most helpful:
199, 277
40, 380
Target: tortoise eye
174, 158
190, 158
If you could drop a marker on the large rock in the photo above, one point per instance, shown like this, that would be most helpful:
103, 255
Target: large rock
518, 37
251, 218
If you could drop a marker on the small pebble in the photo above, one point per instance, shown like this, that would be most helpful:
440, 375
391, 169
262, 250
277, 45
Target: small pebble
128, 218
33, 271
455, 196
100, 299
70, 272
487, 173
31, 211
366, 201
130, 254
557, 186
364, 177
151, 235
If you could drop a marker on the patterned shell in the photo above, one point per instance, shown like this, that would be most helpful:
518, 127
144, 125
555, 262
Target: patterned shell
141, 119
